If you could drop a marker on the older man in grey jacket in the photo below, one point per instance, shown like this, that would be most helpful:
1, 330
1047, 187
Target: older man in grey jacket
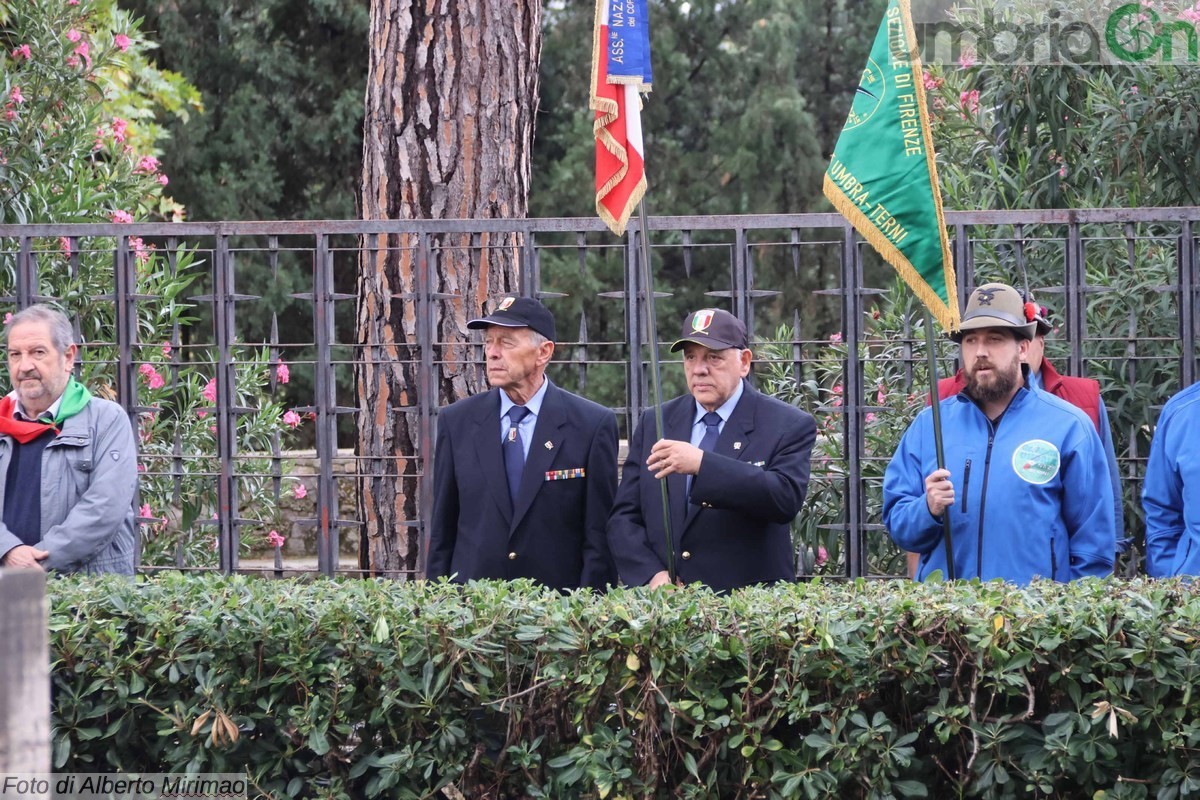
68, 461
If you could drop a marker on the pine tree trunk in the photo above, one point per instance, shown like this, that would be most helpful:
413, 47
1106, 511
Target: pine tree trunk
451, 101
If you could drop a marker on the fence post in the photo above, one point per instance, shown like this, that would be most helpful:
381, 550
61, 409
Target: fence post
25, 666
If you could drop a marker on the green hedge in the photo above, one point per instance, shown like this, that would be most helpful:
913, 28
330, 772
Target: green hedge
845, 690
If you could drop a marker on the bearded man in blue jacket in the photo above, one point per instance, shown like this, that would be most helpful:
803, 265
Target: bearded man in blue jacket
1026, 481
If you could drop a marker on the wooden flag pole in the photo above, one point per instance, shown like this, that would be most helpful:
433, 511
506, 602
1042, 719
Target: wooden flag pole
937, 436
655, 376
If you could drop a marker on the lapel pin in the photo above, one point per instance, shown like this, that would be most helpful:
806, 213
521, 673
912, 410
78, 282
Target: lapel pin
549, 445
737, 445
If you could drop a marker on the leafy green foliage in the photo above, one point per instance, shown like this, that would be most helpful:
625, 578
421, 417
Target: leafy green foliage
895, 387
76, 144
850, 690
77, 136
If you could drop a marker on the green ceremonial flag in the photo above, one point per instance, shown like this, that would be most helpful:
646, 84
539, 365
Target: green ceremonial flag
882, 177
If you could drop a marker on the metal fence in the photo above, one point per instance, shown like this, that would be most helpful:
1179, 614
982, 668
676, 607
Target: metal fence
1122, 283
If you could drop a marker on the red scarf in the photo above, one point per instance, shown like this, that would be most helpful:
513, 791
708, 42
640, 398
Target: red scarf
74, 398
23, 432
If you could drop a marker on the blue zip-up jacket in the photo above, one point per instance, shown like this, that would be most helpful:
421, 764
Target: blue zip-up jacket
1171, 493
1032, 493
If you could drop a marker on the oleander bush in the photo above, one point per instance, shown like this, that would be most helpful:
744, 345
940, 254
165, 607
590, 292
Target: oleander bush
840, 690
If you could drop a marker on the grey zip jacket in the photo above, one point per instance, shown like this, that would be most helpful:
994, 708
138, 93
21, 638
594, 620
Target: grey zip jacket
89, 477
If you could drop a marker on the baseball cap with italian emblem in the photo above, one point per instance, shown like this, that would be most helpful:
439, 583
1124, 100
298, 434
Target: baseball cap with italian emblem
715, 328
519, 312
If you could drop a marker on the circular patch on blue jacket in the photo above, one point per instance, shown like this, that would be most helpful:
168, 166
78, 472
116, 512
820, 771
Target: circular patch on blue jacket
1036, 461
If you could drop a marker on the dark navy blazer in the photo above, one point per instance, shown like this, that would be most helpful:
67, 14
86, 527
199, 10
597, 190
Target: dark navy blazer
556, 533
735, 529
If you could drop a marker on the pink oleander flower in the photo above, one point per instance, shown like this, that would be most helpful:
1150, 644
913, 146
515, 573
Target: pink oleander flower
140, 251
16, 96
8, 318
64, 244
1062, 171
121, 216
291, 419
300, 492
822, 555
210, 391
870, 417
880, 396
119, 127
146, 511
1134, 89
966, 59
970, 101
930, 82
141, 468
22, 52
74, 35
835, 338
122, 42
1192, 15
282, 374
147, 165
153, 379
84, 52
166, 349
274, 539
162, 180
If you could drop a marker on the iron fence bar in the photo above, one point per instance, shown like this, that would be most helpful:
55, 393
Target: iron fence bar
427, 399
1187, 305
529, 278
635, 325
125, 318
223, 313
27, 277
1074, 298
852, 400
326, 408
586, 224
740, 281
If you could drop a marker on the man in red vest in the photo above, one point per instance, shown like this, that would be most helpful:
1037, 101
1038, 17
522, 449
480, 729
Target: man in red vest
1083, 393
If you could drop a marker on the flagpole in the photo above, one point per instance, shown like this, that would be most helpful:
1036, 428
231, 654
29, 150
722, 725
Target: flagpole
655, 376
934, 402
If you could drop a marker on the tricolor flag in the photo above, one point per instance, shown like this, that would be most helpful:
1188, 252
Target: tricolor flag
620, 69
882, 177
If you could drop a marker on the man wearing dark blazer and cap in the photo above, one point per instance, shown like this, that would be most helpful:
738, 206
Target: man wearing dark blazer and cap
523, 475
736, 463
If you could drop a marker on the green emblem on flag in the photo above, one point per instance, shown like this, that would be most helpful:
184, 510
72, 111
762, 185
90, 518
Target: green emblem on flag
882, 176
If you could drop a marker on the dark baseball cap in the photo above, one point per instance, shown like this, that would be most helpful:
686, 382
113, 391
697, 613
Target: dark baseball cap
519, 312
714, 328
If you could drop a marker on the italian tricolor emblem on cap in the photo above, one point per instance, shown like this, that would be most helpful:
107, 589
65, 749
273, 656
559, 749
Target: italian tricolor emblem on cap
702, 319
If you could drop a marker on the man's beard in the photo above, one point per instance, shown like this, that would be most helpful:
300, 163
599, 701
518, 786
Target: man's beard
999, 387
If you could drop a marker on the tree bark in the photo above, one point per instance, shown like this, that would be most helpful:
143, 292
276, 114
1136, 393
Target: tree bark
450, 106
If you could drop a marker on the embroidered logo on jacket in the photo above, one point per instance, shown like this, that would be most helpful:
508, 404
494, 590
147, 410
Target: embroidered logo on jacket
1036, 461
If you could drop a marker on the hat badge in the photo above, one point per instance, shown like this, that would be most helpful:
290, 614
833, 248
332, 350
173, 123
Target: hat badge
702, 319
986, 296
505, 303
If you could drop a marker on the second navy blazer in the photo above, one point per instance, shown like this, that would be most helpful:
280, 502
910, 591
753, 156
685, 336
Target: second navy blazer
735, 528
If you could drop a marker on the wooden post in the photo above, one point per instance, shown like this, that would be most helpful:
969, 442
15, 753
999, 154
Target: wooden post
25, 667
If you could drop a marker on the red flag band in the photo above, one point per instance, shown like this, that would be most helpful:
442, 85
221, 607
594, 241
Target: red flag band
620, 40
